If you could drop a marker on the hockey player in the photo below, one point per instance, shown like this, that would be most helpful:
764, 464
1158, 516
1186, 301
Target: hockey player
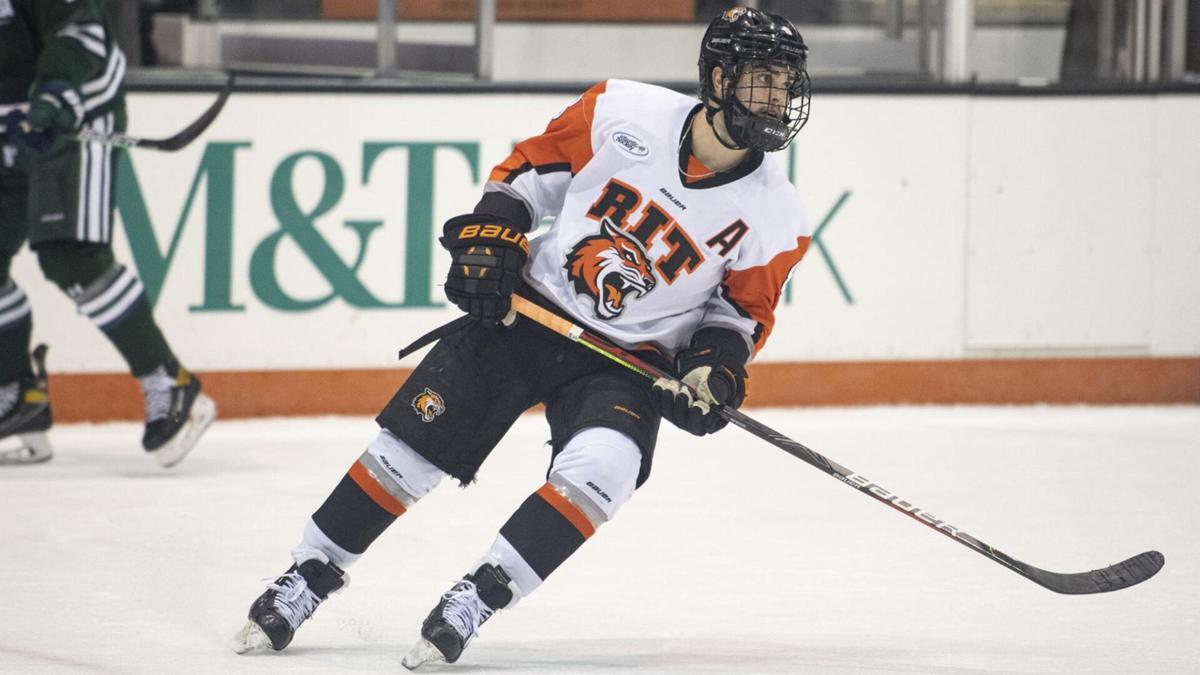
673, 235
60, 72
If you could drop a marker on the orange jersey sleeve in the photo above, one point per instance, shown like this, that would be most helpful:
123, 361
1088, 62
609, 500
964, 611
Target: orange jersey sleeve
565, 145
754, 292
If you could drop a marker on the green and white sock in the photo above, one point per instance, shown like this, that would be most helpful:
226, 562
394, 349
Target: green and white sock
117, 304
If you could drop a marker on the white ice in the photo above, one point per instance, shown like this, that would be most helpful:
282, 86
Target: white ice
734, 557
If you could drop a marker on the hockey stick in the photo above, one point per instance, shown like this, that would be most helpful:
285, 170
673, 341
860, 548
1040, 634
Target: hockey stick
176, 142
1112, 578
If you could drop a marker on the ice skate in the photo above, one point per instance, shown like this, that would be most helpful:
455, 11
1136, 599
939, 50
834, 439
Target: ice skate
288, 602
25, 416
456, 619
177, 413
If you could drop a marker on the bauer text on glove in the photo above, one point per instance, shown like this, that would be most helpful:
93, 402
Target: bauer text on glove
487, 256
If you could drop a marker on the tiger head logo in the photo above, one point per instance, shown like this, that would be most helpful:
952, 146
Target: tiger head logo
608, 268
428, 405
733, 14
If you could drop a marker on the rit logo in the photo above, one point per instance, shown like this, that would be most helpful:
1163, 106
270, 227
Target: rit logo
618, 200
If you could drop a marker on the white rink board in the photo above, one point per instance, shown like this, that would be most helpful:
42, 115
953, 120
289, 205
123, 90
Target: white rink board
733, 558
1176, 241
1060, 243
969, 227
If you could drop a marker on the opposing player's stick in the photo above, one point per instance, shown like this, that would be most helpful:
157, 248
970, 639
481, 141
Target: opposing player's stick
176, 142
1112, 578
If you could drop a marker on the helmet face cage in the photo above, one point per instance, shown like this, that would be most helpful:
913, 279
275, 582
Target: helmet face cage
764, 87
765, 104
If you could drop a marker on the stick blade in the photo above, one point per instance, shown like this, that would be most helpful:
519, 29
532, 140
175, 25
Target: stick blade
1115, 577
193, 130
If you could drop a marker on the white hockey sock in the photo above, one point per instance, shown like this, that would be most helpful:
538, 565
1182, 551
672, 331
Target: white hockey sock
314, 538
502, 553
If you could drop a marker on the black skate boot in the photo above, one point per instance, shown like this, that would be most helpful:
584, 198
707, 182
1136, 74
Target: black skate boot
451, 625
28, 415
177, 413
289, 602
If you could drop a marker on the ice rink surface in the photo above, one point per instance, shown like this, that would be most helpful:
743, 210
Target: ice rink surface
734, 557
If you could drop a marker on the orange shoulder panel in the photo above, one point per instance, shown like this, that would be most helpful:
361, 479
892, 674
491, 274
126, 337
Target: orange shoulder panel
567, 141
754, 292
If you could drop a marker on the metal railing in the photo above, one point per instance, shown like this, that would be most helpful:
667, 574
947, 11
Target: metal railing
904, 41
485, 26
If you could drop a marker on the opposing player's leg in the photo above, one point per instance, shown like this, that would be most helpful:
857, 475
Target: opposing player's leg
24, 398
384, 482
70, 228
111, 296
589, 480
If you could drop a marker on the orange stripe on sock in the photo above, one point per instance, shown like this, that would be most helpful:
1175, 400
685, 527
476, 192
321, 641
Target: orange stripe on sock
360, 475
567, 509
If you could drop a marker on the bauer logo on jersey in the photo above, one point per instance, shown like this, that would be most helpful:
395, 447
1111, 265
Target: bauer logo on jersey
428, 405
608, 268
630, 144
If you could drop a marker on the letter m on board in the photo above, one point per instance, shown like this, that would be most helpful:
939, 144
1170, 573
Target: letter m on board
152, 260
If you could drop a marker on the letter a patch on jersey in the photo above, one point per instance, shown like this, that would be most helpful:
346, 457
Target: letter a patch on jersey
608, 268
428, 405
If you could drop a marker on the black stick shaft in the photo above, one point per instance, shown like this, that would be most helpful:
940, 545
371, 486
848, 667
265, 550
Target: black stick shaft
176, 142
1121, 575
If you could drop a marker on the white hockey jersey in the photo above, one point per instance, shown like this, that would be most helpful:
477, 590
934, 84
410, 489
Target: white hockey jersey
648, 245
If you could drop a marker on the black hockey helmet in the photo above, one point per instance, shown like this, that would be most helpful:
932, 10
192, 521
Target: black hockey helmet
742, 40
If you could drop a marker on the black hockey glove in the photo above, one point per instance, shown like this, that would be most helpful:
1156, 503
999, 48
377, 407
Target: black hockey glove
19, 134
487, 256
714, 372
54, 106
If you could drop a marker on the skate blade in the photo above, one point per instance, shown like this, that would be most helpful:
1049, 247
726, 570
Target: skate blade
34, 449
204, 411
423, 652
249, 639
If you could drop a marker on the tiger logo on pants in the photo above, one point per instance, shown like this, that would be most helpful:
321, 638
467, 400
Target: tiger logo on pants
428, 404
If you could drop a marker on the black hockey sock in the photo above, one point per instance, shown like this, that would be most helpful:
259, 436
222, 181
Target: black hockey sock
546, 529
358, 510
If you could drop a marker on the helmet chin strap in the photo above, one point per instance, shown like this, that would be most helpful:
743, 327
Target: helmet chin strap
771, 134
767, 133
710, 114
